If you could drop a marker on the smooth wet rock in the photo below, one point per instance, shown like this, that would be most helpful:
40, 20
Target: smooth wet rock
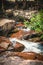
18, 47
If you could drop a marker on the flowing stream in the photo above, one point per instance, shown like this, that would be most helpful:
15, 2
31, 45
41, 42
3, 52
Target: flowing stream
29, 46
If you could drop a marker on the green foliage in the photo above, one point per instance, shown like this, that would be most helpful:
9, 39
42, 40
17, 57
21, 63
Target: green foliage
26, 23
36, 23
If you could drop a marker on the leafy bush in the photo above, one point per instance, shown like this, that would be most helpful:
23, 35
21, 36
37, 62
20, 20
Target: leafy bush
36, 22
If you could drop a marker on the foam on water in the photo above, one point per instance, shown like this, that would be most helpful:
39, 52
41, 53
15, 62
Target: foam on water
29, 46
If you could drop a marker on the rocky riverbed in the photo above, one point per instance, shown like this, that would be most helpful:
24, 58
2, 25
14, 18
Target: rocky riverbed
18, 44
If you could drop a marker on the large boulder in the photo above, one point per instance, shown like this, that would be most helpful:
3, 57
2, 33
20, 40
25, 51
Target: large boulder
6, 25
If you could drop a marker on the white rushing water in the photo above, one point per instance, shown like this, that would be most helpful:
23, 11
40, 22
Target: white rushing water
23, 29
29, 46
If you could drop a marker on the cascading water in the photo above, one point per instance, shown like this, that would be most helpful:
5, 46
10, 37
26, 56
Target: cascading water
29, 46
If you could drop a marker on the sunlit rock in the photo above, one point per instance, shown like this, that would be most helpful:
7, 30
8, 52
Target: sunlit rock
6, 25
18, 34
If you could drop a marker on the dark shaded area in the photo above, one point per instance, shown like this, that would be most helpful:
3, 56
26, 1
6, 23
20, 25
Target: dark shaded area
19, 5
22, 4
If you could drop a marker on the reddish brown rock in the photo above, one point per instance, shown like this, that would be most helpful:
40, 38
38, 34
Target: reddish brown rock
4, 43
20, 24
19, 47
27, 55
18, 34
